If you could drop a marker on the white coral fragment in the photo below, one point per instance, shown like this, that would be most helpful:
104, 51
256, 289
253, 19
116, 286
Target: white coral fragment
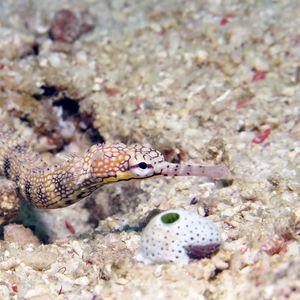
178, 235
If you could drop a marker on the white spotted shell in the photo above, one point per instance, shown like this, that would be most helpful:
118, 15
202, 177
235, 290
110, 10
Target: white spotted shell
178, 235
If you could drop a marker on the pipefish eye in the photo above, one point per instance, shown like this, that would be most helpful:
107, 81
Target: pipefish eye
141, 169
143, 165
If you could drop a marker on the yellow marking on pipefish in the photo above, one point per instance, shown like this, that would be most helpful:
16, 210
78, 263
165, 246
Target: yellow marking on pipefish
120, 176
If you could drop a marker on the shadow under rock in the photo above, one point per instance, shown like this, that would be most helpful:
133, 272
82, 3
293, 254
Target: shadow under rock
29, 217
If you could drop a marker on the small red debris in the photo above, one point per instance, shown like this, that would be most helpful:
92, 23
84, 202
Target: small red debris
50, 142
243, 249
54, 141
69, 227
284, 248
260, 138
168, 152
224, 21
67, 27
88, 262
111, 91
259, 75
182, 155
242, 104
138, 103
272, 246
14, 288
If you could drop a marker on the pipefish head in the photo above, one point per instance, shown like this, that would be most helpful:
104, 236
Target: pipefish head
118, 162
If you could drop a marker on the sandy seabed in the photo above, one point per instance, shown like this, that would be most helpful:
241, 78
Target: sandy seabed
202, 81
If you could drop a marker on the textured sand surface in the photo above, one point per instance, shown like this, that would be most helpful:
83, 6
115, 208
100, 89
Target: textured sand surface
201, 81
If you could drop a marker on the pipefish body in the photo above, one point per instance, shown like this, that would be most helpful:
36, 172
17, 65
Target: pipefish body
54, 186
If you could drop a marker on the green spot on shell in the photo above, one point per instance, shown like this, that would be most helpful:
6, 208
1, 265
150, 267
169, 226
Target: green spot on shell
170, 218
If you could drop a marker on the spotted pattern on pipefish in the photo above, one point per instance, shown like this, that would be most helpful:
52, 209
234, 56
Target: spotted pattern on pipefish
55, 186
